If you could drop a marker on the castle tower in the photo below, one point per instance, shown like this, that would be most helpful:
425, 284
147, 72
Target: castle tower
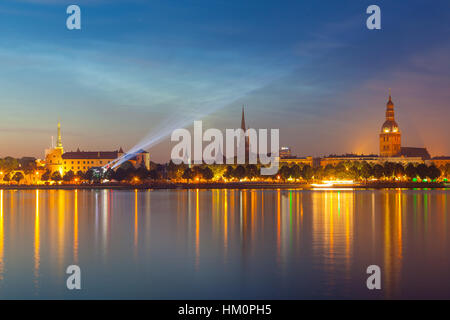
59, 141
53, 156
390, 136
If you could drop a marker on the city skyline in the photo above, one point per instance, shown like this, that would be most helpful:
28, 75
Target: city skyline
319, 84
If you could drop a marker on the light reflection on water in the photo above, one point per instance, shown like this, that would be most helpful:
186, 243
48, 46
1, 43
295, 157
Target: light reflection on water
224, 243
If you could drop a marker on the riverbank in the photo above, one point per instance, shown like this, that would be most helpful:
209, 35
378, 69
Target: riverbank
230, 185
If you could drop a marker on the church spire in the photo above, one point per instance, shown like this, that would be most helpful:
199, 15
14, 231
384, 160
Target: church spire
58, 141
243, 119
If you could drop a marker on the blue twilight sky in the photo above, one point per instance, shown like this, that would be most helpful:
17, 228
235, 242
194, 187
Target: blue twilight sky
139, 69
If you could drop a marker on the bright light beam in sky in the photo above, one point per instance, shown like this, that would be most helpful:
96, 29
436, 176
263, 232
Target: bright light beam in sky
167, 127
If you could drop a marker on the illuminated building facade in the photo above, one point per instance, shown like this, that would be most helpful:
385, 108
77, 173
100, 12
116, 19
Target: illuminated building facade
297, 161
390, 136
285, 152
58, 160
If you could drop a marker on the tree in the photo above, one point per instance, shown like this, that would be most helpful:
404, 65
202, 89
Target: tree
141, 172
18, 176
319, 173
366, 171
447, 170
7, 177
69, 176
411, 171
329, 171
399, 170
251, 171
388, 169
56, 176
433, 172
341, 170
228, 172
422, 171
187, 174
154, 174
120, 174
239, 172
296, 172
207, 173
284, 172
378, 171
109, 174
46, 176
9, 164
175, 171
80, 175
307, 172
354, 172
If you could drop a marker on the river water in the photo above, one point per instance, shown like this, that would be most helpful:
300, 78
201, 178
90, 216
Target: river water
224, 244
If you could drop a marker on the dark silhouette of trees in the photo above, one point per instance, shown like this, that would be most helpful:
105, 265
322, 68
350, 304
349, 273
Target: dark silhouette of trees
207, 173
422, 171
239, 172
296, 172
56, 176
120, 174
366, 171
433, 172
399, 170
46, 176
18, 176
307, 172
69, 176
187, 174
251, 171
79, 175
411, 171
378, 171
228, 172
389, 169
109, 174
284, 172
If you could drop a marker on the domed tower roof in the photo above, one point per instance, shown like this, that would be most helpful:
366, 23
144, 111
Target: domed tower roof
390, 126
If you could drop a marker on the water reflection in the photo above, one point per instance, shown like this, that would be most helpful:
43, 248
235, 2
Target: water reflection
250, 243
2, 239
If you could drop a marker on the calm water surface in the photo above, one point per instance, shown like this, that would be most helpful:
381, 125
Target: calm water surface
224, 244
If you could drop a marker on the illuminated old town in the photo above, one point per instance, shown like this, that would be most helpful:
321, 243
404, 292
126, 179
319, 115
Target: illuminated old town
394, 163
224, 159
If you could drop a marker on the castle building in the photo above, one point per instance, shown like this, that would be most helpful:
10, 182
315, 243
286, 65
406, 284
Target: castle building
390, 136
58, 160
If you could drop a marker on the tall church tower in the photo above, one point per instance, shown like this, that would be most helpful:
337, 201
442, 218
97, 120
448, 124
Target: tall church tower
247, 145
390, 136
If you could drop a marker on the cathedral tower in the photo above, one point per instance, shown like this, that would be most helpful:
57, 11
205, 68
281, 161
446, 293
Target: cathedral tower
390, 136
